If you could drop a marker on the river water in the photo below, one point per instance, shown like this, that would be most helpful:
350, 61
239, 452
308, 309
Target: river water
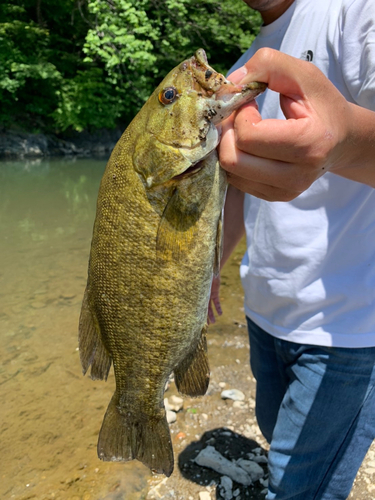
50, 413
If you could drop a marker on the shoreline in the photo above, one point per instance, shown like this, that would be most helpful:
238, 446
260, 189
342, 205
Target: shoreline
18, 144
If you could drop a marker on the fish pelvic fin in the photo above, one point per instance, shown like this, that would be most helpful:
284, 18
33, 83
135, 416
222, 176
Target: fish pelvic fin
192, 375
91, 348
126, 436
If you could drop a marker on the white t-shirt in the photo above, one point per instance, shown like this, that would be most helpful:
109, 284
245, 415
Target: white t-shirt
309, 269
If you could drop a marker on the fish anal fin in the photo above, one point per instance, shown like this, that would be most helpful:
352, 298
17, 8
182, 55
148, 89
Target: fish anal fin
192, 375
91, 348
126, 436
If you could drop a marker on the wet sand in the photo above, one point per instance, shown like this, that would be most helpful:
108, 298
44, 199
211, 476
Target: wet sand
51, 414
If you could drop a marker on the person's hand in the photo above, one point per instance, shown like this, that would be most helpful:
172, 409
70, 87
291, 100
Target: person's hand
279, 159
214, 300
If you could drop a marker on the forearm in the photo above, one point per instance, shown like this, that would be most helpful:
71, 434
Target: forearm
234, 227
356, 160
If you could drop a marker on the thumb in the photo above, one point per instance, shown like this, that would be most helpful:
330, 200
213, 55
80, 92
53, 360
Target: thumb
237, 75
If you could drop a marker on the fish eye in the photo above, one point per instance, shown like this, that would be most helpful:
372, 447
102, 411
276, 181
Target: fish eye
168, 95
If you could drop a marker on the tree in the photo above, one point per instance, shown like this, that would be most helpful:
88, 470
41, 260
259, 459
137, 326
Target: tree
76, 64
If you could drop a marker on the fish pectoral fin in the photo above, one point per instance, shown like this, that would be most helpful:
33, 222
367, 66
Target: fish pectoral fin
91, 349
127, 436
192, 375
219, 244
177, 229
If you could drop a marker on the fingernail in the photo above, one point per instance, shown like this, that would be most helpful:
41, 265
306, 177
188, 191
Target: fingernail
237, 75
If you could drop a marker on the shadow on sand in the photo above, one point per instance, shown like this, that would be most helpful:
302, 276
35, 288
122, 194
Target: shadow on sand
230, 445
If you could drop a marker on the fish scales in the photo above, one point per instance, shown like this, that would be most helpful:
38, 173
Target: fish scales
153, 253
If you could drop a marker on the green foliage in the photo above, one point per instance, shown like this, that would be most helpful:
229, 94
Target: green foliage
71, 64
88, 101
39, 49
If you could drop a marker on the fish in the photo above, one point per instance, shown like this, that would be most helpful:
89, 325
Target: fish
156, 244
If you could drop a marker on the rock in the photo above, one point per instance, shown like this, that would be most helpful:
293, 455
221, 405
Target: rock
171, 416
239, 405
226, 485
233, 394
174, 403
209, 457
252, 403
19, 144
254, 470
204, 495
180, 436
260, 459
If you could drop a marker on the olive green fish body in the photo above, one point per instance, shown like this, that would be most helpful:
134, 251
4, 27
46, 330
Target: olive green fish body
154, 248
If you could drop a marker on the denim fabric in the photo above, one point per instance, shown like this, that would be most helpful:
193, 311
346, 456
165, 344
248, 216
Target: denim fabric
316, 407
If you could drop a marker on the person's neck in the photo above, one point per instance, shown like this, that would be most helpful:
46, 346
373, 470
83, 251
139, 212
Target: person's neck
269, 16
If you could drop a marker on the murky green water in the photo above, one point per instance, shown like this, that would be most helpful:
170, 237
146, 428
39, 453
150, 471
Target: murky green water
50, 413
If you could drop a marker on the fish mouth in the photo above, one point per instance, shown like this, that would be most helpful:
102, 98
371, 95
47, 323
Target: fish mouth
223, 96
230, 97
193, 169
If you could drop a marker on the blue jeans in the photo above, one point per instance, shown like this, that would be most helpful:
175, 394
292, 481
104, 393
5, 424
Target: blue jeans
316, 407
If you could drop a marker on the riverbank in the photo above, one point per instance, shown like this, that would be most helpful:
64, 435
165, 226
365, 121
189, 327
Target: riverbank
15, 144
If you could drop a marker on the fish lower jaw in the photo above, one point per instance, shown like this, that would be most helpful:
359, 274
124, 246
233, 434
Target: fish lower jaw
194, 169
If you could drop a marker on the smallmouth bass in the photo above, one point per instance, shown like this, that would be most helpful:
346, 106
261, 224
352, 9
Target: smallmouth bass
155, 246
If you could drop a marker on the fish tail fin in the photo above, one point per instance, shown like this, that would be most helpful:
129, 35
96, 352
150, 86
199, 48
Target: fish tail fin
192, 375
136, 436
91, 348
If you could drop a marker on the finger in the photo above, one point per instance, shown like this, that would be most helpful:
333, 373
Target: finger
266, 171
216, 301
262, 191
210, 315
271, 138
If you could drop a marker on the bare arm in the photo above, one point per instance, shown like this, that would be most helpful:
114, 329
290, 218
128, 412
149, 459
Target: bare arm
279, 159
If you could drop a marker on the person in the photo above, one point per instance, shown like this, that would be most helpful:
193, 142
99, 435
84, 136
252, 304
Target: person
301, 174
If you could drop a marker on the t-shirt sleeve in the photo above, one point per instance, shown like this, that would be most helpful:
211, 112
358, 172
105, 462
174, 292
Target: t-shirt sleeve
358, 51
